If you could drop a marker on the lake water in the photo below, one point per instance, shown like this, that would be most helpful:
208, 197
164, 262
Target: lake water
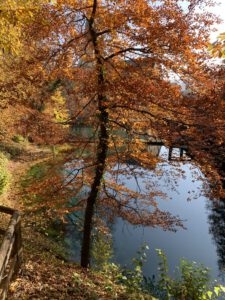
197, 242
202, 241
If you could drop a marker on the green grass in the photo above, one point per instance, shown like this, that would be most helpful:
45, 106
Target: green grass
4, 173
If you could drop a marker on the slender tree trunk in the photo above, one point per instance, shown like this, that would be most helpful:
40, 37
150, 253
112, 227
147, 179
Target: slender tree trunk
102, 148
99, 171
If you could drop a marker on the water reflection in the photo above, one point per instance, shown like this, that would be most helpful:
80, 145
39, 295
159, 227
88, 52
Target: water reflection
217, 229
195, 243
203, 240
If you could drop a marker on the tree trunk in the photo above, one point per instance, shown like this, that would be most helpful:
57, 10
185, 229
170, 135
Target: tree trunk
99, 171
102, 148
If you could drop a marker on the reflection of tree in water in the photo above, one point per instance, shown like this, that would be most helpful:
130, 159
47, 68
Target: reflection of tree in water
217, 229
72, 240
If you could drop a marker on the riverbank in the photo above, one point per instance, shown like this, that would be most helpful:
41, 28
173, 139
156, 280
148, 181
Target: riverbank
44, 273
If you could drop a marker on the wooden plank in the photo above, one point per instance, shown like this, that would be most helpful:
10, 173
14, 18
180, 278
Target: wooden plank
8, 240
7, 210
2, 231
11, 248
4, 285
7, 258
17, 249
156, 143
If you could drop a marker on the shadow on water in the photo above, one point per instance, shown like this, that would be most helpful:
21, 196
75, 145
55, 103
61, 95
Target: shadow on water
217, 229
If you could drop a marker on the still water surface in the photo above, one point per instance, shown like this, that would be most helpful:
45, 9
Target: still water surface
202, 241
195, 243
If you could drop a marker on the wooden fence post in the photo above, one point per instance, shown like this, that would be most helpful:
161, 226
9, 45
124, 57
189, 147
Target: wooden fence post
10, 251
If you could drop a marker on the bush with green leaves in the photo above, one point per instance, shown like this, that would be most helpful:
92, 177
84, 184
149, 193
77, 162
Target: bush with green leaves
130, 279
101, 253
191, 282
18, 138
133, 277
4, 173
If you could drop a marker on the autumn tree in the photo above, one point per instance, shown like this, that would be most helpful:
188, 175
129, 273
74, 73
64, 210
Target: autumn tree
211, 151
116, 61
207, 144
24, 89
218, 47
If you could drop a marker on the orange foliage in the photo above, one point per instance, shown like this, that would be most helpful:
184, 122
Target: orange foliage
115, 61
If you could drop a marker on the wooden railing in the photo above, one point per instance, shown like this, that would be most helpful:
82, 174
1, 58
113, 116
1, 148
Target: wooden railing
10, 250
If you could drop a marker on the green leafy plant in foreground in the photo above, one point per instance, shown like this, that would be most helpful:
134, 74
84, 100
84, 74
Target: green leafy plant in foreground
102, 253
101, 250
133, 278
129, 279
192, 282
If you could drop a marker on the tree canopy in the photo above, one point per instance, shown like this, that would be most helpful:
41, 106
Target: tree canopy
218, 47
128, 69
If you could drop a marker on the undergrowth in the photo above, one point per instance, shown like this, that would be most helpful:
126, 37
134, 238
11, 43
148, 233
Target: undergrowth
191, 280
4, 173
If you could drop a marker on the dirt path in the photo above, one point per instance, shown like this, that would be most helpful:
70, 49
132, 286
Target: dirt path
18, 168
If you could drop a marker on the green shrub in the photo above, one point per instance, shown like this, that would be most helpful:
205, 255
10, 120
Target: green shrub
130, 279
133, 278
18, 138
192, 282
101, 252
4, 173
